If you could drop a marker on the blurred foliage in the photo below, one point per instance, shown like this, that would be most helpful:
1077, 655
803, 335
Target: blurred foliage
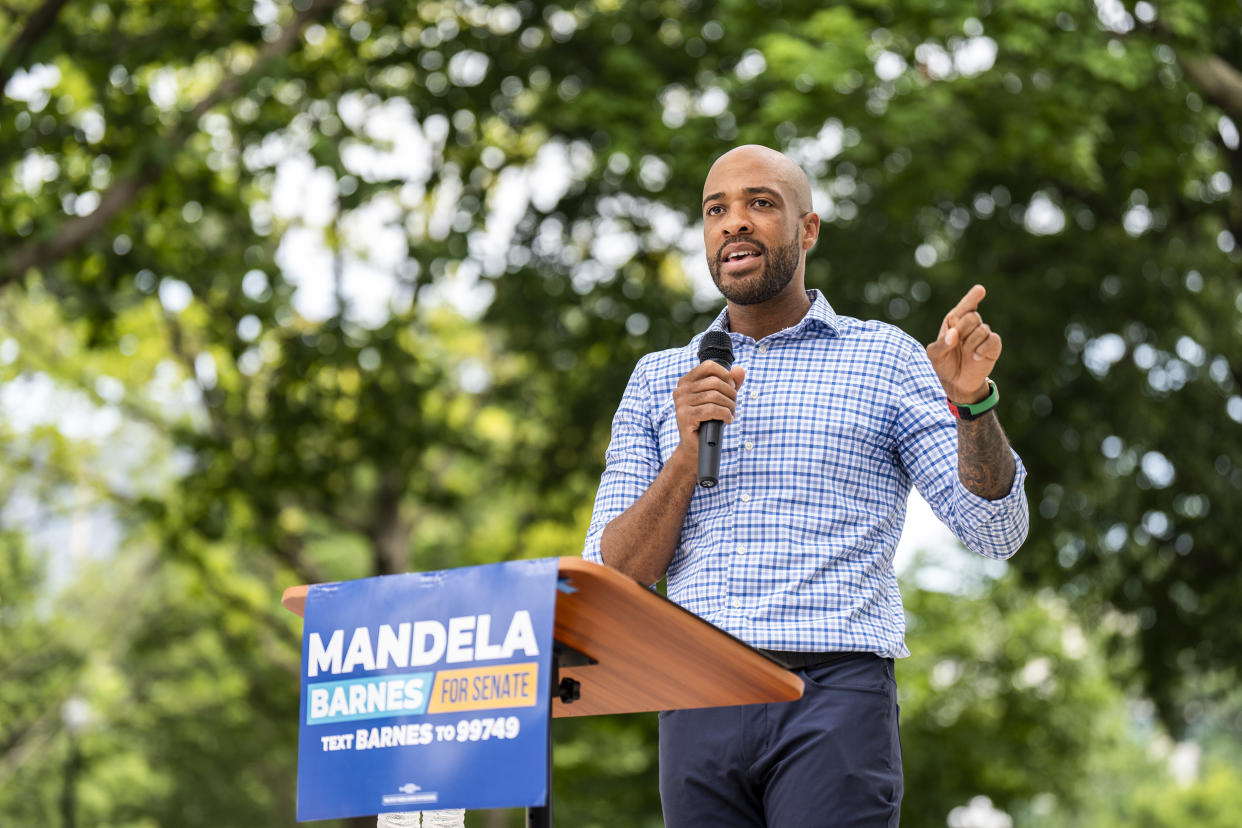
316, 290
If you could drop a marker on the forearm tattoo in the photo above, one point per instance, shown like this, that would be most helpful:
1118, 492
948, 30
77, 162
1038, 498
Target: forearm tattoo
984, 461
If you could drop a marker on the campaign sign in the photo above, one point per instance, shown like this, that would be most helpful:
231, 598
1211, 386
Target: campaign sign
427, 691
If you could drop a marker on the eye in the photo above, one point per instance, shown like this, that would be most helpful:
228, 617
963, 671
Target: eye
763, 202
715, 210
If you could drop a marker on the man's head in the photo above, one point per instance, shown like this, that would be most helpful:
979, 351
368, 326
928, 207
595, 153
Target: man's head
757, 224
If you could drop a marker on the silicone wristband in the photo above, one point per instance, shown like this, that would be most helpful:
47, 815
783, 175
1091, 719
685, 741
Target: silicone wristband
971, 411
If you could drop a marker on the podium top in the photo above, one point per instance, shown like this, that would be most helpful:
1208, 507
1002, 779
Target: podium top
651, 653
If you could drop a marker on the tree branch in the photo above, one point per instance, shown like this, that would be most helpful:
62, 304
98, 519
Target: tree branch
77, 230
122, 193
290, 551
47, 360
37, 24
1219, 82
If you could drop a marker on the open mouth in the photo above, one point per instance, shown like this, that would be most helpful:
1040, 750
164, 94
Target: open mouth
740, 258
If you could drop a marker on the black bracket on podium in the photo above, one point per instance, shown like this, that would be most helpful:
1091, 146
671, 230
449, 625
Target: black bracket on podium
568, 691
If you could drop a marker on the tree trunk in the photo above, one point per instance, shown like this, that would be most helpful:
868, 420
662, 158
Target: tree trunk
495, 819
389, 534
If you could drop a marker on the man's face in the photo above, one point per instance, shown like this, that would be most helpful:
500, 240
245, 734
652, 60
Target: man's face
752, 228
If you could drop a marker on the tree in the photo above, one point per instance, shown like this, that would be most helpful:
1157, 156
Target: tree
339, 418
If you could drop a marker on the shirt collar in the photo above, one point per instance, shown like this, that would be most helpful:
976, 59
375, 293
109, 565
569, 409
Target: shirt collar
820, 315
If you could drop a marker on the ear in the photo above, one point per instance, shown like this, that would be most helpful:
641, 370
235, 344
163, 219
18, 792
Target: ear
810, 230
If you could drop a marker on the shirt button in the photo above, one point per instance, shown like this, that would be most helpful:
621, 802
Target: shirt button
737, 603
763, 349
741, 550
749, 444
745, 497
754, 393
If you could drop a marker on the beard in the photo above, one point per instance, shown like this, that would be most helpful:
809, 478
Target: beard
779, 265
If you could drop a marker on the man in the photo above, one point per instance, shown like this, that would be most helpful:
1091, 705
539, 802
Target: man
828, 422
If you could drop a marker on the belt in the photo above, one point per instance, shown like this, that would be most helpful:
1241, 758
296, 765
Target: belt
795, 661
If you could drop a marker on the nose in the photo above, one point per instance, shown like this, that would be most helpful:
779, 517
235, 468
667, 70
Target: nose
736, 225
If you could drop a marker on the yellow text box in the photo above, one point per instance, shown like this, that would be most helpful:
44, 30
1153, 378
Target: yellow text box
485, 688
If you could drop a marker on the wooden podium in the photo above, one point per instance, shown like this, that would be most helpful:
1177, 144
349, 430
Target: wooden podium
622, 648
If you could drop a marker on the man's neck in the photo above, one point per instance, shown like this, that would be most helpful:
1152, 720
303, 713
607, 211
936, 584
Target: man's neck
766, 318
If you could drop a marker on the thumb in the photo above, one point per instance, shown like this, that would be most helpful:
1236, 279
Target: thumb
738, 373
946, 340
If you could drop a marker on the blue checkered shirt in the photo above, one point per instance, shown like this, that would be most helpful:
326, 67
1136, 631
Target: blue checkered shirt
793, 549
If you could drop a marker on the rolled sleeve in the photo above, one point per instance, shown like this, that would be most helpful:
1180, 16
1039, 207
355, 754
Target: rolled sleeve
927, 445
995, 528
632, 460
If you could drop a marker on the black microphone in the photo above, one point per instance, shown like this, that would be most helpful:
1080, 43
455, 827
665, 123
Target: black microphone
717, 347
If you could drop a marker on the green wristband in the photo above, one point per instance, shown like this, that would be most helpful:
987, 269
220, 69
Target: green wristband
971, 411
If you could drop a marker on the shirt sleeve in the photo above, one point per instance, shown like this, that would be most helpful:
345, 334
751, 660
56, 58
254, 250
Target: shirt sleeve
927, 446
631, 462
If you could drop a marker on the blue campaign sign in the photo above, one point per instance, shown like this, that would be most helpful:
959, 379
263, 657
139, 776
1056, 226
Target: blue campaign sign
427, 691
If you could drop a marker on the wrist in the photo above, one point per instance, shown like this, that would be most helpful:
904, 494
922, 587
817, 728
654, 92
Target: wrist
684, 461
975, 395
979, 405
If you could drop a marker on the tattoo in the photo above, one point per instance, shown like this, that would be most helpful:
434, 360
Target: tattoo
984, 461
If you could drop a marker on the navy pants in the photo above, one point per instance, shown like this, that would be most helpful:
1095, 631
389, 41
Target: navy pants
831, 759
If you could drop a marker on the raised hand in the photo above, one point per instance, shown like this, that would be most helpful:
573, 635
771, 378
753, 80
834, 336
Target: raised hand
965, 350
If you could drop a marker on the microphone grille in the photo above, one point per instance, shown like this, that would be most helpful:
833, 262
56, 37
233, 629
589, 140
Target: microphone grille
716, 346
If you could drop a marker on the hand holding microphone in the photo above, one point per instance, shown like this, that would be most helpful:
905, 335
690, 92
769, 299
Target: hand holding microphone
705, 399
718, 348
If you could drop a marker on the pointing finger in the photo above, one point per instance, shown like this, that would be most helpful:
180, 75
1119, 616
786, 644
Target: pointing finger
968, 303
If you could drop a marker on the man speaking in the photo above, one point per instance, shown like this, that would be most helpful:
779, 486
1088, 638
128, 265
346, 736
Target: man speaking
828, 421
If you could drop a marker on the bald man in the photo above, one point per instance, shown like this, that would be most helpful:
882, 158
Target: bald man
829, 421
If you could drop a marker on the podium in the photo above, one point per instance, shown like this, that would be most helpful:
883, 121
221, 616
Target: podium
622, 648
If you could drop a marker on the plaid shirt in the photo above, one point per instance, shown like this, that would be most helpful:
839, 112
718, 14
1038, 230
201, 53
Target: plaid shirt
793, 549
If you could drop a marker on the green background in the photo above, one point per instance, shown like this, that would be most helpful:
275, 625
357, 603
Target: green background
185, 433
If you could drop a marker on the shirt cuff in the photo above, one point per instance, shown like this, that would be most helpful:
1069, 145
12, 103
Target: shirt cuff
591, 551
979, 509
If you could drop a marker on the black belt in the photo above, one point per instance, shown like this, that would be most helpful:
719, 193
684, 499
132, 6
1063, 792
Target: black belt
796, 661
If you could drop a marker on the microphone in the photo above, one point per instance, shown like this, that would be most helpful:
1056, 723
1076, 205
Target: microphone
717, 347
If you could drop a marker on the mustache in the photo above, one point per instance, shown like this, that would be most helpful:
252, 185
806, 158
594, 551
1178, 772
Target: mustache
753, 242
